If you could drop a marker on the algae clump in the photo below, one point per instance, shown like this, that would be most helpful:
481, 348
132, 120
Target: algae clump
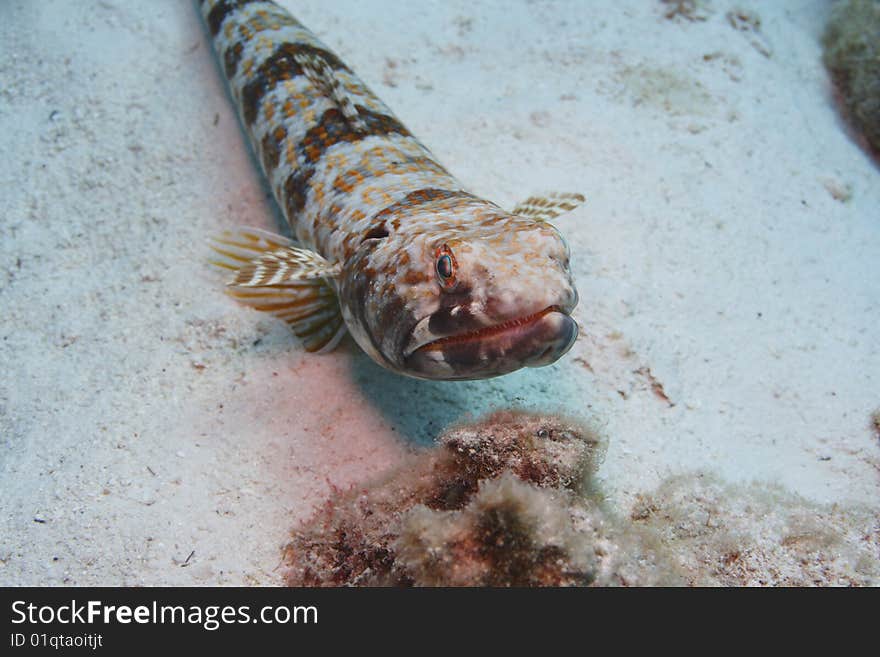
852, 55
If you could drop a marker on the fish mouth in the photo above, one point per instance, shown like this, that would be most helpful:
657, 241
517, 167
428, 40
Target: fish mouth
532, 340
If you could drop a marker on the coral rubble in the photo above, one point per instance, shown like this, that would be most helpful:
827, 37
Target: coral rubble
758, 535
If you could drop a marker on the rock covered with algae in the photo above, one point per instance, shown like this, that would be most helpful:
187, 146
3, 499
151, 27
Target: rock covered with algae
494, 504
852, 55
509, 501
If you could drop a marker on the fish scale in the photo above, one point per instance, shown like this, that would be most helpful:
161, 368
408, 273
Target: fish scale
328, 176
375, 215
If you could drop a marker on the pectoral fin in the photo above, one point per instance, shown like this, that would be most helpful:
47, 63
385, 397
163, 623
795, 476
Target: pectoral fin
294, 284
545, 208
235, 248
310, 308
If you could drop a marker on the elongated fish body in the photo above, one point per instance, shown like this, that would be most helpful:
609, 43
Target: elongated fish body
430, 280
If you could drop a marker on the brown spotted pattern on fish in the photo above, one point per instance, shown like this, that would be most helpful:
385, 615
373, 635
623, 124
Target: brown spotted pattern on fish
431, 280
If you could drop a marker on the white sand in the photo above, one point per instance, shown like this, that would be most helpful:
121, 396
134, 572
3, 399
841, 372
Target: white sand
147, 420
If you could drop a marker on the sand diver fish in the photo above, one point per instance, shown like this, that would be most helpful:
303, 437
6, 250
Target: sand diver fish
432, 281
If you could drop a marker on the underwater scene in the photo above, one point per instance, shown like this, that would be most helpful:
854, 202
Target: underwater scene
500, 293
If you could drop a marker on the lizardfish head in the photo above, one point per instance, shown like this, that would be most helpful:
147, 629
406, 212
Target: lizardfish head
462, 304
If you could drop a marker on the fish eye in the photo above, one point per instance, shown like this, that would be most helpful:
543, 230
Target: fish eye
445, 266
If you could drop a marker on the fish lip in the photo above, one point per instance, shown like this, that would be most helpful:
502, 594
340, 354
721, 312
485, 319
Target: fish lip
531, 340
508, 326
488, 331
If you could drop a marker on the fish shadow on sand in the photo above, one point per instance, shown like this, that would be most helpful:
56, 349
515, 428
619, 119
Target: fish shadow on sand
419, 410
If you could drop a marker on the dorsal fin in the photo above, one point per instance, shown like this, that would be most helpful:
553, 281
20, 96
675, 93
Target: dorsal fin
272, 275
549, 206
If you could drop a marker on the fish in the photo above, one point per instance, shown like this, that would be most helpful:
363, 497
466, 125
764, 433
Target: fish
431, 280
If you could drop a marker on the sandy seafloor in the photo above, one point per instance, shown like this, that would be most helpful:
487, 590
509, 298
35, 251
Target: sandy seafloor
154, 432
